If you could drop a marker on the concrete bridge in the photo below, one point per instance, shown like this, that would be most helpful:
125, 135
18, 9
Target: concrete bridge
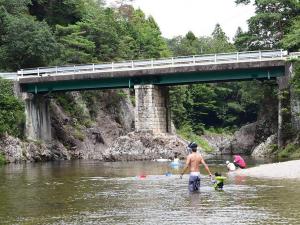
149, 78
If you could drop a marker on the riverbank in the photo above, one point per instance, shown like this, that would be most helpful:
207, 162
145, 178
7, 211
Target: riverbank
281, 170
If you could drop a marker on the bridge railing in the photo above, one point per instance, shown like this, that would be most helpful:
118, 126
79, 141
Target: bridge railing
157, 63
9, 76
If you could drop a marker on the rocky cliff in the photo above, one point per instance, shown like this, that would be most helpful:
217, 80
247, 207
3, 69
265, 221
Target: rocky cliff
257, 137
93, 125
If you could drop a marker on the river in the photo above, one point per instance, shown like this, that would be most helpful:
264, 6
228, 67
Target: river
92, 192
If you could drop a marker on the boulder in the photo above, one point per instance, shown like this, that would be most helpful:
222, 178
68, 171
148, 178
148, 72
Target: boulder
243, 141
265, 149
145, 146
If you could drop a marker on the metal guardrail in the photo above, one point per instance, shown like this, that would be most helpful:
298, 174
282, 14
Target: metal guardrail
157, 63
9, 76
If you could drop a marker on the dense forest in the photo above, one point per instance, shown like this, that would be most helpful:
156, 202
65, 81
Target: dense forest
35, 33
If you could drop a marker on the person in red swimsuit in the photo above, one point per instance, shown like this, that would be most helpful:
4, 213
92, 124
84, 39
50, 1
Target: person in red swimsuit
239, 162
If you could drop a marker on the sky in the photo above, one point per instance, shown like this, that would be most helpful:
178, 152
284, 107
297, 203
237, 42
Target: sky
177, 17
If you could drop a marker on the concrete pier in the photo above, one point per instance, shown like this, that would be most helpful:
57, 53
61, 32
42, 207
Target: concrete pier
38, 124
152, 111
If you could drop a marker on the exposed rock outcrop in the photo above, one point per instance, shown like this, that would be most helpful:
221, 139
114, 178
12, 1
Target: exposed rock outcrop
145, 146
265, 148
109, 122
219, 142
16, 151
248, 137
243, 141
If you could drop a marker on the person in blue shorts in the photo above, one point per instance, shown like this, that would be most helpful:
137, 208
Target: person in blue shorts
193, 161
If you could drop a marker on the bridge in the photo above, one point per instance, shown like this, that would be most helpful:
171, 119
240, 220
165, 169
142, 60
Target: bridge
149, 78
169, 71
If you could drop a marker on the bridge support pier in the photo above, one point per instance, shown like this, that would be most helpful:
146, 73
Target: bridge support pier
288, 105
152, 111
38, 124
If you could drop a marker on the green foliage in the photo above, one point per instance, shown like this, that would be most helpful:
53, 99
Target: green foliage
78, 134
191, 45
290, 151
2, 159
85, 32
11, 111
272, 20
15, 7
296, 78
73, 109
291, 41
288, 132
24, 42
75, 48
57, 11
226, 105
187, 133
221, 105
221, 130
105, 35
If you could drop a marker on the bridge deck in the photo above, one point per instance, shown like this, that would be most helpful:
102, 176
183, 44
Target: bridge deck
171, 71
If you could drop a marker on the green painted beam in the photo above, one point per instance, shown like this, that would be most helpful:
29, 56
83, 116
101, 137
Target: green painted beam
222, 76
163, 79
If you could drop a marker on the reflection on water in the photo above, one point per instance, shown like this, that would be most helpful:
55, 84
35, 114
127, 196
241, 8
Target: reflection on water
91, 192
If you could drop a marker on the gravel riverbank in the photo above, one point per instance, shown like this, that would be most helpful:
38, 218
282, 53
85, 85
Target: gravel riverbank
282, 170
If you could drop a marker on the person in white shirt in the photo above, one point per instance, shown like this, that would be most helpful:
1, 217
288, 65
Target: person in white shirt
230, 166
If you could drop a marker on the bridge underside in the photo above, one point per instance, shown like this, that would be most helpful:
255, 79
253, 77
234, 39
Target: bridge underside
152, 112
156, 79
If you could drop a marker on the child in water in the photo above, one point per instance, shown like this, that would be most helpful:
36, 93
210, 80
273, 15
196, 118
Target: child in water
218, 182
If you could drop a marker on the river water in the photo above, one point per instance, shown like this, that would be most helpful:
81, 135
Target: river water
92, 192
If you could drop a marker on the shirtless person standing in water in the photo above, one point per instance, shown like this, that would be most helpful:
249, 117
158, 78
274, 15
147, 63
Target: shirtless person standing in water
193, 161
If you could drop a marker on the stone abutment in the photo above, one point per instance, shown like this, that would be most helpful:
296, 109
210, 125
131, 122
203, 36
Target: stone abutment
152, 110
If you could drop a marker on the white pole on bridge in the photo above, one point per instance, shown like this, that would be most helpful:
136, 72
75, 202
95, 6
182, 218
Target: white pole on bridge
260, 55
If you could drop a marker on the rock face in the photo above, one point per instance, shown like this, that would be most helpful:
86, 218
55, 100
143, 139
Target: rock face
145, 146
265, 148
219, 142
248, 137
16, 150
110, 121
103, 130
243, 141
107, 116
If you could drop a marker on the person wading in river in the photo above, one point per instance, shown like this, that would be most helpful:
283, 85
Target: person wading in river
193, 161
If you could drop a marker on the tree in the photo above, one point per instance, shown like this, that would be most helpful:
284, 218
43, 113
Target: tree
291, 41
219, 34
179, 99
271, 22
61, 12
26, 42
15, 7
148, 38
11, 111
220, 42
75, 47
241, 40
